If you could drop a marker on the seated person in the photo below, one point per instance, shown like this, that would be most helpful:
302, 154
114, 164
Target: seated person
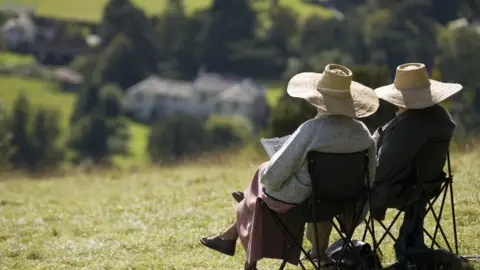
420, 118
284, 182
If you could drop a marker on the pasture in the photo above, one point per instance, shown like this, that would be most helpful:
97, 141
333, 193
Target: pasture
152, 219
92, 9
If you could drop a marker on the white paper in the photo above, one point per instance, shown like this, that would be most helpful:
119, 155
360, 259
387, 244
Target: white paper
272, 145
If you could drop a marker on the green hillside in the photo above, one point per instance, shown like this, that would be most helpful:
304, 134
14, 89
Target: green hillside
92, 9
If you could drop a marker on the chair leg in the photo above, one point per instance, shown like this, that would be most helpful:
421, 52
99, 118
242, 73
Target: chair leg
315, 236
438, 220
347, 242
290, 237
439, 225
431, 238
367, 227
387, 230
452, 202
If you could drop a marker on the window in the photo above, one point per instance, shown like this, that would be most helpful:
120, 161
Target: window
235, 107
159, 98
203, 97
139, 97
218, 107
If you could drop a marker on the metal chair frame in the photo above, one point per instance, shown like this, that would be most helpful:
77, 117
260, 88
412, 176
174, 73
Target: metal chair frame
340, 228
445, 190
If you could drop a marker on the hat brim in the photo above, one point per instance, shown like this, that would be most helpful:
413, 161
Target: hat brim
361, 101
418, 98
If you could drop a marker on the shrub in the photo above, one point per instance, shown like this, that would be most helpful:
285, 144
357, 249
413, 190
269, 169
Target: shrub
176, 137
288, 115
228, 131
35, 137
97, 138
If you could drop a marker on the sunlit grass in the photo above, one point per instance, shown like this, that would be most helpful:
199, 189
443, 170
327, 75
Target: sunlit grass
13, 58
92, 9
152, 219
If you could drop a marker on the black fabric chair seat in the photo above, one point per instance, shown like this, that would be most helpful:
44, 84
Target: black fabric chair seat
428, 184
339, 185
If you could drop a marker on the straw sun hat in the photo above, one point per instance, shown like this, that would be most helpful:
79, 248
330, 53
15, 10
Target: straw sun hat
412, 88
333, 91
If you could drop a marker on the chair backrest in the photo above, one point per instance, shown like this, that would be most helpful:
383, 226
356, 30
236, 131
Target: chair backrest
430, 160
338, 177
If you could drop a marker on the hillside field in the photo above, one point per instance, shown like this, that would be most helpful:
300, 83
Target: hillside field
152, 219
92, 9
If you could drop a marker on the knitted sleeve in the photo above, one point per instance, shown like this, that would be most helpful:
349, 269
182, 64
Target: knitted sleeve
288, 159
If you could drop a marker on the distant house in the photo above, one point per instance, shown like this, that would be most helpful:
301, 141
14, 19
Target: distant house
208, 94
18, 33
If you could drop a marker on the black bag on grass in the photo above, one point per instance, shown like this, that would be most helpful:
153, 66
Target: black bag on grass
354, 258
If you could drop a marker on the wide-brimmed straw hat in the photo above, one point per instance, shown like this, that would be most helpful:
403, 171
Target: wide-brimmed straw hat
333, 91
413, 89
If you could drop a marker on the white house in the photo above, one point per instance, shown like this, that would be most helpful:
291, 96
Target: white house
19, 33
208, 94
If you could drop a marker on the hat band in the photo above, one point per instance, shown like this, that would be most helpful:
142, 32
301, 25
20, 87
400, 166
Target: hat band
332, 91
426, 86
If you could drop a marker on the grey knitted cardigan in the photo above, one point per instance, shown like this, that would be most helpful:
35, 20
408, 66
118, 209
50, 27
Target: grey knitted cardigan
286, 177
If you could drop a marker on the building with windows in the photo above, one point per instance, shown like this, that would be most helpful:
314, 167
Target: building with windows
208, 94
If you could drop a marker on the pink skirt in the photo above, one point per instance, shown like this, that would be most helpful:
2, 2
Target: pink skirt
258, 231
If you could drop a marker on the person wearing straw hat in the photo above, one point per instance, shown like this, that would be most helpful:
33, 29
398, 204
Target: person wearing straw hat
420, 118
283, 182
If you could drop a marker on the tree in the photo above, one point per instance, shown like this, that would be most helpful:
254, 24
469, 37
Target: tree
89, 138
111, 99
45, 137
5, 138
457, 61
177, 41
409, 35
231, 23
87, 100
35, 141
20, 127
285, 25
98, 131
120, 63
138, 42
176, 137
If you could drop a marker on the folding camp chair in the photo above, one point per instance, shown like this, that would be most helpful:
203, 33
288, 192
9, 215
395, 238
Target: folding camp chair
339, 184
430, 184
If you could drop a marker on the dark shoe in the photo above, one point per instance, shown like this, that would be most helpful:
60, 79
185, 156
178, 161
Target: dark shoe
247, 267
219, 244
238, 196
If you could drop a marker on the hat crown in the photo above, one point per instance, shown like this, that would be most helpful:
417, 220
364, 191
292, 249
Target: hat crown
336, 77
411, 76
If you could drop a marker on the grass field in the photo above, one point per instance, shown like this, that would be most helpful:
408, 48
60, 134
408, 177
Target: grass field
152, 219
12, 58
92, 9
